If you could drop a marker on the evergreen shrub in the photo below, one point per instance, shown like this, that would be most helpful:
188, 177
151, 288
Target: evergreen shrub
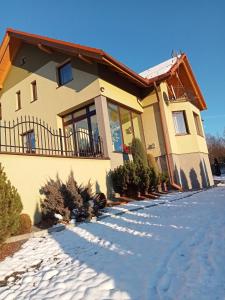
10, 207
138, 152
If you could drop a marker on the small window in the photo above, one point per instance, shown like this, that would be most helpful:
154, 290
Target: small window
65, 73
180, 122
198, 124
18, 100
34, 90
28, 141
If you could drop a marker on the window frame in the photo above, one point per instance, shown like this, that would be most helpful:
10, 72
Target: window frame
198, 125
130, 110
0, 111
59, 67
185, 123
34, 91
87, 115
28, 146
18, 100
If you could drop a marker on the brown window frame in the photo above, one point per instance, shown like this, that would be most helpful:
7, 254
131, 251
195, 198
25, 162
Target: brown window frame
34, 91
18, 99
119, 106
198, 125
60, 66
185, 122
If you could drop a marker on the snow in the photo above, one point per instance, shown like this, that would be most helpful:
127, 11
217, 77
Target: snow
160, 69
169, 248
219, 178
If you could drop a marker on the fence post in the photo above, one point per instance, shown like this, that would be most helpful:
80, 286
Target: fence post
61, 140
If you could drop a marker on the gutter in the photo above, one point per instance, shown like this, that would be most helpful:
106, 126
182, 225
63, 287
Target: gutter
169, 161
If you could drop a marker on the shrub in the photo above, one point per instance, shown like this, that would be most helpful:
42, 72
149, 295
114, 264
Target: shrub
132, 178
154, 179
100, 200
25, 224
54, 202
138, 152
120, 179
69, 200
152, 163
10, 207
144, 175
77, 199
163, 177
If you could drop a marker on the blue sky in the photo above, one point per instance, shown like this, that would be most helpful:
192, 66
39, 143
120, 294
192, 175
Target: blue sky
138, 33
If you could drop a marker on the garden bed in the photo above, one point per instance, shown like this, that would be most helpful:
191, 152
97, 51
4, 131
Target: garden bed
9, 249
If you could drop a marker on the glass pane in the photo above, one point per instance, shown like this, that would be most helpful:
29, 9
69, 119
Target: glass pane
115, 127
81, 112
82, 136
69, 139
126, 128
179, 122
92, 107
67, 118
29, 141
94, 128
197, 124
65, 73
137, 125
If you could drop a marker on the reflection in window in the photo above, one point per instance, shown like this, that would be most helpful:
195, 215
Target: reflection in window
124, 125
198, 124
180, 122
65, 73
82, 127
126, 128
115, 127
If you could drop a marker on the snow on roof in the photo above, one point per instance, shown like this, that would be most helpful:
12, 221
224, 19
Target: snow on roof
160, 69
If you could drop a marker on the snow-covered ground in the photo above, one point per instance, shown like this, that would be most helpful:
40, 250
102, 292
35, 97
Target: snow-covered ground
172, 248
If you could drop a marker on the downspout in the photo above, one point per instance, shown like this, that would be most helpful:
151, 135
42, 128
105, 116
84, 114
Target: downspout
169, 161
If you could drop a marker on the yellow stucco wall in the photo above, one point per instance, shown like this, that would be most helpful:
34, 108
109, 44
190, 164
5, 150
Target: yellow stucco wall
52, 100
119, 95
152, 125
29, 173
185, 143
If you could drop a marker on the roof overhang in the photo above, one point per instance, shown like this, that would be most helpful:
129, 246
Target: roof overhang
183, 60
13, 40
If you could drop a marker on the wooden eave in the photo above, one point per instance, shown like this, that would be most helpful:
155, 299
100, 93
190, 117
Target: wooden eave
48, 45
183, 61
13, 39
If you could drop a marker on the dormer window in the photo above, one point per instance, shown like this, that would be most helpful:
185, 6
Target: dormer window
65, 73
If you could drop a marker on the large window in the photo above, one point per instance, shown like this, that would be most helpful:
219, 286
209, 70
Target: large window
116, 132
180, 122
198, 124
81, 128
125, 125
65, 73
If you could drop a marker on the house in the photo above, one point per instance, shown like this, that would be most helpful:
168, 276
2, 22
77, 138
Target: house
67, 106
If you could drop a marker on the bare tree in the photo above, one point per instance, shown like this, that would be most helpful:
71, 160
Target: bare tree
216, 147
